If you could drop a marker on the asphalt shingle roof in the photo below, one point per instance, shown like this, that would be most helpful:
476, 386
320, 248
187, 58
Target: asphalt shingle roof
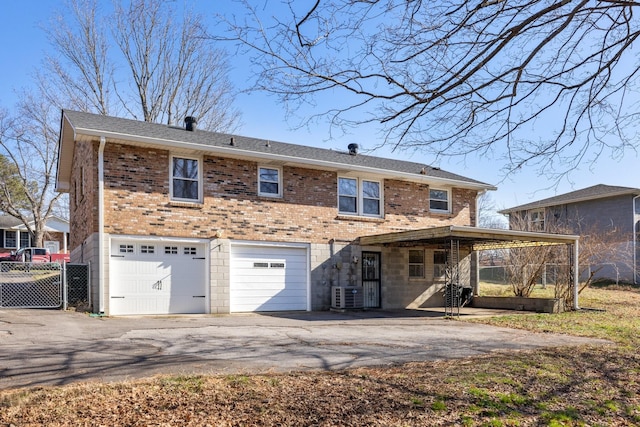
247, 145
8, 221
599, 191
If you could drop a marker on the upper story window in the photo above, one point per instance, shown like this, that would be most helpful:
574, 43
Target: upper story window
186, 179
269, 182
359, 197
536, 220
439, 200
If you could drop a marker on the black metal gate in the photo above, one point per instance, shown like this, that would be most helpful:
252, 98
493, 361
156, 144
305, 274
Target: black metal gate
371, 279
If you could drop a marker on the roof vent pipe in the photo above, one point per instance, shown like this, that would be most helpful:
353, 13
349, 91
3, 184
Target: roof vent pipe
232, 143
190, 123
353, 149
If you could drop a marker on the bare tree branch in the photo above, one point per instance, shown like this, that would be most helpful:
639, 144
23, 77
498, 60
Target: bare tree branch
143, 60
28, 145
548, 83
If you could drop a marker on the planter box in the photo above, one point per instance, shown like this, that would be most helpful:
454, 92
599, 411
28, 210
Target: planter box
538, 305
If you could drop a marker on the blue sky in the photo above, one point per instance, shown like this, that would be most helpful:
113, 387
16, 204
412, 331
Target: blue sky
24, 44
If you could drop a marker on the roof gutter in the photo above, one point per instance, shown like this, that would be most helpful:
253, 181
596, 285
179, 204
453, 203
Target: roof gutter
282, 158
535, 205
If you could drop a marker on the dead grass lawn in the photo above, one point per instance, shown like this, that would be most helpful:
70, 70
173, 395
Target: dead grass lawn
566, 386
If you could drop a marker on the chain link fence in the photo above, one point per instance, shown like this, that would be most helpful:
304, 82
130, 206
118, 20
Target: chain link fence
30, 285
42, 285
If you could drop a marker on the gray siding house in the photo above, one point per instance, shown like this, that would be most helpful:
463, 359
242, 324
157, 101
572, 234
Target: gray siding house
606, 217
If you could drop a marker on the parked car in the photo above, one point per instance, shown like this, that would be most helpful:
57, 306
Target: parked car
32, 255
28, 255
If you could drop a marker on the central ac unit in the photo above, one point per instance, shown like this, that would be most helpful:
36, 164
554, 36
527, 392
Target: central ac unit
347, 297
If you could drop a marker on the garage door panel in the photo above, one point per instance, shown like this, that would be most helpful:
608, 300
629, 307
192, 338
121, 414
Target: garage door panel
270, 293
157, 278
268, 278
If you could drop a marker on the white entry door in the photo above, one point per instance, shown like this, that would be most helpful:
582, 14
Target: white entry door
53, 246
154, 277
268, 278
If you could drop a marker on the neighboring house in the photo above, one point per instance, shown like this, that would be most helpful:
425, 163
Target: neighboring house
608, 216
179, 220
14, 235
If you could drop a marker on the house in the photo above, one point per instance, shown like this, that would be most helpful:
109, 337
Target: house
179, 220
14, 234
607, 217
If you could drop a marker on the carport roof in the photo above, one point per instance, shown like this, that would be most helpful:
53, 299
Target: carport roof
477, 238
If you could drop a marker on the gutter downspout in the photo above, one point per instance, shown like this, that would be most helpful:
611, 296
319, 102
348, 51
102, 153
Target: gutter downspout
101, 267
576, 272
635, 240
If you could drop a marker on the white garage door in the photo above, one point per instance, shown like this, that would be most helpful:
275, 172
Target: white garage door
157, 278
268, 278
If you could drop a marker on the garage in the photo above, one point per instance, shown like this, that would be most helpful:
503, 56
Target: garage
268, 278
157, 277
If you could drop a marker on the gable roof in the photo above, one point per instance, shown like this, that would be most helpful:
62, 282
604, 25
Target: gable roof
8, 221
595, 192
76, 126
53, 223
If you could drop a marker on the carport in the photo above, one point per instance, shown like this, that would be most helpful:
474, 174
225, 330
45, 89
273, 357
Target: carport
456, 239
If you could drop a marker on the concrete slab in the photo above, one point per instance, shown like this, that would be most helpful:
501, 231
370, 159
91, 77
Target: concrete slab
50, 347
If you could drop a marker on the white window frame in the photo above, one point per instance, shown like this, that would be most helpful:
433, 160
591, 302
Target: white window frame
199, 180
421, 264
28, 239
360, 197
15, 239
442, 268
278, 182
536, 219
448, 193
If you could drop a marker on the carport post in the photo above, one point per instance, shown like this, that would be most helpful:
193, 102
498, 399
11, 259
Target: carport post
576, 273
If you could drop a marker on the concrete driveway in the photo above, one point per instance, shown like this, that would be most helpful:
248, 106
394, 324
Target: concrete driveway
50, 347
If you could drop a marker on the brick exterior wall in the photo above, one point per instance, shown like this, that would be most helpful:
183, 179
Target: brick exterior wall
137, 202
83, 195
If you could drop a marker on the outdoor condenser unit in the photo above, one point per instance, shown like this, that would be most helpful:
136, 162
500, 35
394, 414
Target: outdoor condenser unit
347, 297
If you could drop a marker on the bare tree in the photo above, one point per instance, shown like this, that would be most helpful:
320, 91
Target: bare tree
28, 144
527, 267
488, 216
457, 77
154, 64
